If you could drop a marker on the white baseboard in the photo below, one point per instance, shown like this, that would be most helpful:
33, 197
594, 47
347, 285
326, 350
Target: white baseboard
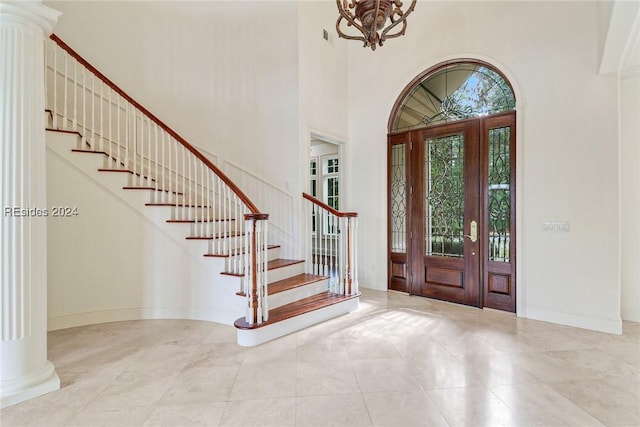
73, 320
611, 326
631, 314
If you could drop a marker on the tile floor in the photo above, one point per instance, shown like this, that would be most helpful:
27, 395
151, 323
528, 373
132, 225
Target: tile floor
397, 361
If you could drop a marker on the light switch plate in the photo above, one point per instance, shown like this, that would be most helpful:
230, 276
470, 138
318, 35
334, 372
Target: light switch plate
555, 226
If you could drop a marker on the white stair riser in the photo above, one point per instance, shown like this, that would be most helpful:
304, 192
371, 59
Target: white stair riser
253, 337
285, 272
295, 294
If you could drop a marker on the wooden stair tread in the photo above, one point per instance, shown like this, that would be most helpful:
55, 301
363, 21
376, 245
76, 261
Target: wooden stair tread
280, 262
271, 265
294, 282
179, 205
193, 221
290, 283
240, 253
146, 187
223, 236
297, 308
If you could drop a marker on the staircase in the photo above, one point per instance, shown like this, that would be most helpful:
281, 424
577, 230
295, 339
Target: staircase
101, 131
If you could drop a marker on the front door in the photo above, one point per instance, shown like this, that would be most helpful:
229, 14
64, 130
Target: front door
451, 216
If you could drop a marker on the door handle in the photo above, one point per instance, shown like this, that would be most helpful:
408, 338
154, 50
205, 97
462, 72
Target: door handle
473, 232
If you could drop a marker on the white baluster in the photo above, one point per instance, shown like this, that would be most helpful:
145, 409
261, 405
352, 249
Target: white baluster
149, 174
110, 139
94, 146
157, 151
84, 106
126, 137
64, 107
164, 172
118, 136
134, 148
177, 178
54, 108
101, 136
75, 95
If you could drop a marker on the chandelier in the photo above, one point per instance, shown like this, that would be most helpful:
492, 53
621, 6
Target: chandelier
374, 19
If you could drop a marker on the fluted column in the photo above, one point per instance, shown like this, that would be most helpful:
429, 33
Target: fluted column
25, 371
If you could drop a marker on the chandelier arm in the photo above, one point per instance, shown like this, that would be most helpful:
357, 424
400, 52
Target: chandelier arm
386, 36
403, 19
348, 16
347, 36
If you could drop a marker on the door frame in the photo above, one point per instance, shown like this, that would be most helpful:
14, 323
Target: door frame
476, 294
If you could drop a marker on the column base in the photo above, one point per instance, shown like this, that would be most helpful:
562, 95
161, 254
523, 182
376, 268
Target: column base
16, 391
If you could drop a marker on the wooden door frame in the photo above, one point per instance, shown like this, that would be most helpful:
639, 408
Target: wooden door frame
487, 269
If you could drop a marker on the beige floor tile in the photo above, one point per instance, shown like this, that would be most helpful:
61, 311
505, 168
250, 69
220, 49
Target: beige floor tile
370, 348
132, 390
495, 369
221, 334
162, 359
548, 367
541, 405
398, 408
458, 344
277, 351
473, 406
208, 414
201, 385
346, 410
417, 346
597, 361
265, 381
262, 412
629, 385
27, 414
628, 353
553, 340
216, 354
608, 404
130, 417
327, 377
322, 350
384, 375
438, 371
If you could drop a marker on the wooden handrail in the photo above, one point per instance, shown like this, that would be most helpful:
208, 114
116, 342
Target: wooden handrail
329, 208
243, 197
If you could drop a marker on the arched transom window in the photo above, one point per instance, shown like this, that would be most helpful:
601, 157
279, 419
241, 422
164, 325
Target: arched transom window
454, 91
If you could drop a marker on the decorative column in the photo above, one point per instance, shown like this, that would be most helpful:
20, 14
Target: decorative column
25, 371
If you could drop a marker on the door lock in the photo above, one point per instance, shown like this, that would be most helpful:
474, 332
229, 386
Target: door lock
473, 232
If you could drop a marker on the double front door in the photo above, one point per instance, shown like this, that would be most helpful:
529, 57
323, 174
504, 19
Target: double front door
451, 201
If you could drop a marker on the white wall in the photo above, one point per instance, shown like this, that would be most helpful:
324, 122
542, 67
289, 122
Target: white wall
630, 195
567, 144
323, 83
223, 74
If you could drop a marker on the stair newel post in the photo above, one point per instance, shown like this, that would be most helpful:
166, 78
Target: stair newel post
354, 245
351, 285
342, 251
348, 282
306, 236
256, 268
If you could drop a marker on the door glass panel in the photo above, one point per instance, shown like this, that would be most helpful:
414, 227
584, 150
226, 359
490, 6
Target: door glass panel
499, 194
398, 198
444, 207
